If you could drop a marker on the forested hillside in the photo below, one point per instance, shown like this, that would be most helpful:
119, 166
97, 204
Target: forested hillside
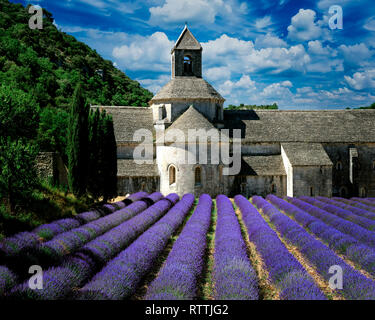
48, 64
39, 73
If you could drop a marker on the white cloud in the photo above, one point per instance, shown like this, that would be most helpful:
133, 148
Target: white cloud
269, 41
357, 54
263, 23
193, 11
323, 59
316, 48
278, 90
325, 4
105, 6
241, 56
217, 73
362, 80
150, 53
303, 26
370, 24
102, 41
154, 85
245, 83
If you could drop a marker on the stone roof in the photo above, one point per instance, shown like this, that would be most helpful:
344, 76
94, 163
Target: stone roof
183, 88
191, 119
127, 120
262, 166
306, 154
187, 41
128, 168
346, 126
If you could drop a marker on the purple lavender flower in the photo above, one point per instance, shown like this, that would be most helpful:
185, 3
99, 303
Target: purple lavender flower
48, 231
68, 242
358, 211
368, 201
120, 277
342, 213
338, 223
115, 240
13, 245
61, 282
285, 272
7, 280
178, 277
88, 216
233, 276
356, 204
337, 240
355, 285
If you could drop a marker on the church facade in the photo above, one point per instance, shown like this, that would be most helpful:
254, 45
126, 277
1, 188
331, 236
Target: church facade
314, 153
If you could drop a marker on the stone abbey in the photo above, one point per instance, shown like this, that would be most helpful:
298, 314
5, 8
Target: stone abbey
294, 153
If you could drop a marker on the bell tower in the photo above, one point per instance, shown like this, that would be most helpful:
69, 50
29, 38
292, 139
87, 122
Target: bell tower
187, 56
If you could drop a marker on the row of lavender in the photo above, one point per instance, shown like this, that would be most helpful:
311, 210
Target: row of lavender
14, 245
345, 237
285, 272
233, 276
321, 257
18, 252
76, 269
178, 278
128, 244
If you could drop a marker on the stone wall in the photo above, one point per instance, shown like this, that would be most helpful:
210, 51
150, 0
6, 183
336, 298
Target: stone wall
50, 167
45, 166
258, 149
312, 181
257, 185
364, 174
178, 62
127, 185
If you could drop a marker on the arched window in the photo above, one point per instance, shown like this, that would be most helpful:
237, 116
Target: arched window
198, 176
172, 174
343, 192
362, 193
188, 65
339, 165
311, 191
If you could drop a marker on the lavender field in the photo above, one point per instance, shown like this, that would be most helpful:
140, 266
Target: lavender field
156, 247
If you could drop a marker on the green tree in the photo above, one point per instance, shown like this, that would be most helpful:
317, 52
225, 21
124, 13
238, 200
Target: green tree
78, 143
110, 160
19, 114
17, 177
52, 130
93, 186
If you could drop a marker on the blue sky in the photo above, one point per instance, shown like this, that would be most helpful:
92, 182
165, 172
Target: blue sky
254, 52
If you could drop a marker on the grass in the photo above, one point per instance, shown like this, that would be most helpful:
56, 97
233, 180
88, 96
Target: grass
205, 282
153, 273
340, 253
321, 283
267, 291
46, 204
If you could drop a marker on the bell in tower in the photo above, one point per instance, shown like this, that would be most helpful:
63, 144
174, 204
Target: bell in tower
187, 87
187, 56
